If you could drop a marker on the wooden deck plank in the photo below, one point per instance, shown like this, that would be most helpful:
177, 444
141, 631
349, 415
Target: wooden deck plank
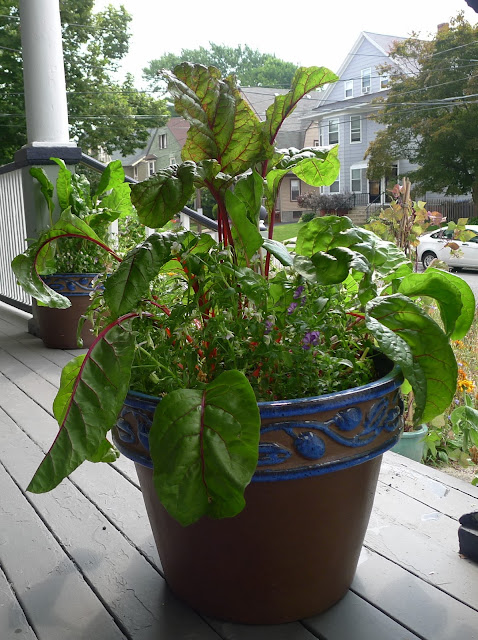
34, 385
415, 604
423, 541
13, 623
355, 618
290, 631
55, 596
132, 590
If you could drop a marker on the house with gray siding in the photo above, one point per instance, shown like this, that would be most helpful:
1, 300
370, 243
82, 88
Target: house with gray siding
344, 117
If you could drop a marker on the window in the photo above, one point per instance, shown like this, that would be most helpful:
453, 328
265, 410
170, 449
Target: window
384, 81
294, 189
356, 180
334, 131
135, 172
316, 143
335, 186
366, 80
151, 168
349, 88
172, 160
355, 129
163, 141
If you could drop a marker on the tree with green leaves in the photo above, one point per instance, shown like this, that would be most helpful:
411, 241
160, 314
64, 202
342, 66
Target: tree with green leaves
431, 112
102, 112
251, 67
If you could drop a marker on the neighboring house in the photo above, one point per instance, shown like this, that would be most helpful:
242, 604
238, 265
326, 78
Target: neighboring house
343, 117
162, 150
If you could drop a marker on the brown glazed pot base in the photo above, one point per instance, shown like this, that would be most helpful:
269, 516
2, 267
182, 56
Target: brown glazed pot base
292, 552
58, 327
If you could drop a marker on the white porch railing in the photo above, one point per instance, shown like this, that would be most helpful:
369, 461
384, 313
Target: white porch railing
12, 235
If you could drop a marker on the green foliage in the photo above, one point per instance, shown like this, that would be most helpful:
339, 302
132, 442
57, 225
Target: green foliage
205, 455
307, 216
102, 112
430, 121
251, 67
215, 328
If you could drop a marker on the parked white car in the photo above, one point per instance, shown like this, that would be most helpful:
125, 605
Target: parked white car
434, 245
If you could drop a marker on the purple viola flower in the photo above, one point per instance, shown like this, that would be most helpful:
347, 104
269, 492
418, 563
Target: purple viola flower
269, 324
292, 307
310, 339
298, 292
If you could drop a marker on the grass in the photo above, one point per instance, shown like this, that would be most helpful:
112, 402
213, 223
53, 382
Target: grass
285, 231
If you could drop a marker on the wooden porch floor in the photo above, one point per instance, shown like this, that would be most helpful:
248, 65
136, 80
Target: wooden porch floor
80, 562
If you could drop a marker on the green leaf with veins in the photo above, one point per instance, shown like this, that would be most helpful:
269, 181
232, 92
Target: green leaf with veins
453, 295
409, 337
88, 405
223, 126
163, 195
305, 79
204, 445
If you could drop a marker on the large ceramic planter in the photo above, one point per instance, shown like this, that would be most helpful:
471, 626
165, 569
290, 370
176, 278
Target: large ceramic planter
58, 327
412, 443
294, 549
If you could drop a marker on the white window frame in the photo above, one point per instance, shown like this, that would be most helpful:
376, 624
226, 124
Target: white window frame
352, 180
384, 78
296, 189
348, 89
335, 186
151, 168
366, 86
356, 129
172, 160
333, 121
163, 140
135, 172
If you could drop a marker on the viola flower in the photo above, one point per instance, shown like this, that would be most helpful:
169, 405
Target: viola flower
310, 339
298, 292
292, 307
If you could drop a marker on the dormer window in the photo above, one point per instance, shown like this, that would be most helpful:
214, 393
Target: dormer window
366, 80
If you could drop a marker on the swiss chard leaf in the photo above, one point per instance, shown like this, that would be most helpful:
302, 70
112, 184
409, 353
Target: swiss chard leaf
453, 295
46, 187
247, 238
24, 265
63, 184
305, 79
158, 199
89, 405
130, 282
111, 178
223, 126
402, 330
279, 251
204, 445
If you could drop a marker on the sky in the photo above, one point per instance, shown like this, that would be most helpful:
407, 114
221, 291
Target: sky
302, 33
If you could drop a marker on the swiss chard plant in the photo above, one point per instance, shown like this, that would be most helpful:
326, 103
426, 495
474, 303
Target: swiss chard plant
213, 326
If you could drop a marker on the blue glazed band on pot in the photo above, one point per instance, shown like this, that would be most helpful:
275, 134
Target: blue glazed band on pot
299, 437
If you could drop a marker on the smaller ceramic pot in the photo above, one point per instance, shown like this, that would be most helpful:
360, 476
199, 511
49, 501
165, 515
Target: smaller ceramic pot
58, 327
412, 444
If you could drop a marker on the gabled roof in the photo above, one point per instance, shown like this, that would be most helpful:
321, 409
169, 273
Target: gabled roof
179, 129
381, 42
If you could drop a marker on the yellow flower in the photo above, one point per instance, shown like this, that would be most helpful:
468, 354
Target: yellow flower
459, 344
465, 385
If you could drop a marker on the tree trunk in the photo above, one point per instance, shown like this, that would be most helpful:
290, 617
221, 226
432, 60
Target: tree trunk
474, 191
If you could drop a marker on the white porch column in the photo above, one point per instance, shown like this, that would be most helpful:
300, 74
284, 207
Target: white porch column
43, 74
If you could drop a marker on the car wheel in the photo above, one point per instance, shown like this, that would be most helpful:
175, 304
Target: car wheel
427, 258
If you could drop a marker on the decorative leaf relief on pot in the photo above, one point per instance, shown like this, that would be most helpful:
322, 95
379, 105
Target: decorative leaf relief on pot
70, 283
142, 418
308, 444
